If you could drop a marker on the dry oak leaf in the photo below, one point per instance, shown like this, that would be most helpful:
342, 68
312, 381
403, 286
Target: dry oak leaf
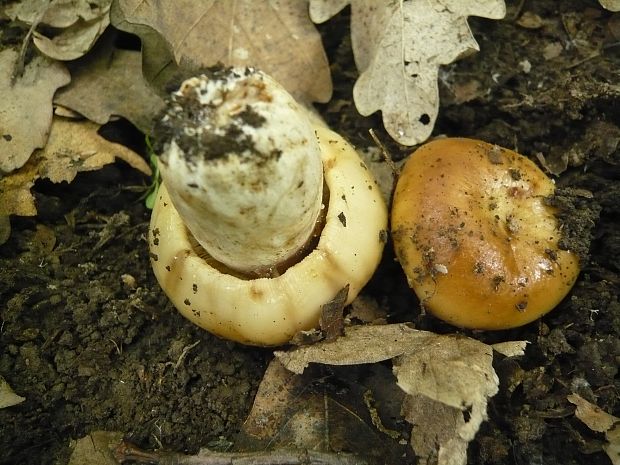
26, 108
72, 147
108, 81
398, 48
77, 23
276, 36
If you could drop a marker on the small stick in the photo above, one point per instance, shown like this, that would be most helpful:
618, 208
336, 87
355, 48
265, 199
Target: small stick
126, 451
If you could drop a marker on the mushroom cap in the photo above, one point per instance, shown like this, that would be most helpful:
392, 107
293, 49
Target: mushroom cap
270, 311
475, 236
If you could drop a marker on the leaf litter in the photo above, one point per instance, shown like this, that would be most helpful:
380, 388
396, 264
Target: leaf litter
398, 49
26, 98
449, 375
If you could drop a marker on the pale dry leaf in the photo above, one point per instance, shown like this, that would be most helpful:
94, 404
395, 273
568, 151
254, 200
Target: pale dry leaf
457, 372
95, 448
360, 344
276, 36
74, 41
108, 81
7, 397
611, 5
435, 432
595, 418
454, 370
72, 147
26, 110
77, 24
510, 348
57, 13
398, 48
600, 421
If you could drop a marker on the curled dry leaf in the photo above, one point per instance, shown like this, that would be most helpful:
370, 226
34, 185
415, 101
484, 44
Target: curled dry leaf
72, 147
276, 36
398, 48
601, 422
26, 98
108, 81
78, 24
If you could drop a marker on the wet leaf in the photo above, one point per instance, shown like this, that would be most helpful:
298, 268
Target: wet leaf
398, 48
108, 82
72, 147
26, 112
276, 36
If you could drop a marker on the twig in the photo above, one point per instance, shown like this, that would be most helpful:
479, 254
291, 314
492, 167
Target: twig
126, 451
386, 155
20, 64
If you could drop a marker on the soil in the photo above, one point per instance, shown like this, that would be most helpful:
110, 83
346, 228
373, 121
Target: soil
92, 343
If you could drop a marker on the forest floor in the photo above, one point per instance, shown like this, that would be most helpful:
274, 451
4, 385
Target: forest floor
92, 343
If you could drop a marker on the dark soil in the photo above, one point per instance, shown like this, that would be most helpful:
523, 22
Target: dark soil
90, 340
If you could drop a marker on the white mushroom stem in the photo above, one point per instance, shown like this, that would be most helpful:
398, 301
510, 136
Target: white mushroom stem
243, 168
243, 171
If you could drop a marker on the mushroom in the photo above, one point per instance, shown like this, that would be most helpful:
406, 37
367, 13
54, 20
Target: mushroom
476, 236
264, 214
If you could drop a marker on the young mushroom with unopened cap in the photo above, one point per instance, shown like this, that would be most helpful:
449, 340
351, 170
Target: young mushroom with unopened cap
476, 236
264, 214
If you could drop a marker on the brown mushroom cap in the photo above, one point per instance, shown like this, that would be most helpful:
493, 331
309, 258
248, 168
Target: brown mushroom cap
475, 237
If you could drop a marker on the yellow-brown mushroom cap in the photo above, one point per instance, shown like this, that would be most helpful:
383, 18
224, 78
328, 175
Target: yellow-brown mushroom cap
475, 236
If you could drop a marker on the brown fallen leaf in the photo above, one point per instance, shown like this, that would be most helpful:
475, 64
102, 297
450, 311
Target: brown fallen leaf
108, 81
95, 448
303, 411
72, 147
331, 320
398, 48
276, 36
26, 110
